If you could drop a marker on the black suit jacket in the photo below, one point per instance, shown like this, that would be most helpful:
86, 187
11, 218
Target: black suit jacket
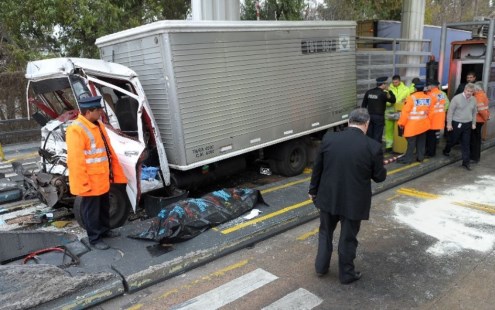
342, 173
460, 89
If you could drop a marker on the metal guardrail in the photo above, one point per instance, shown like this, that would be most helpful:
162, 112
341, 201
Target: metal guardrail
23, 135
18, 130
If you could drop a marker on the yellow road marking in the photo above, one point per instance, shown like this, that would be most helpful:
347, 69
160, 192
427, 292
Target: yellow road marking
308, 234
467, 204
418, 194
392, 197
136, 307
475, 205
405, 167
262, 218
276, 188
217, 274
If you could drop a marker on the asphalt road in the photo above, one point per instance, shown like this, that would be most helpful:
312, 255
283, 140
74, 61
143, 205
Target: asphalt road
429, 244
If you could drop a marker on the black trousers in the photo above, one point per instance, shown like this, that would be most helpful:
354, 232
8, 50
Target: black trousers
415, 142
475, 146
431, 143
461, 132
375, 129
96, 216
348, 243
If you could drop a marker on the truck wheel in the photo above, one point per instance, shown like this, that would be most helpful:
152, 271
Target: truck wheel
292, 158
119, 207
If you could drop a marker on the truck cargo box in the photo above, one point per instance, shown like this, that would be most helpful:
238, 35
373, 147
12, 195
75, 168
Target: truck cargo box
219, 89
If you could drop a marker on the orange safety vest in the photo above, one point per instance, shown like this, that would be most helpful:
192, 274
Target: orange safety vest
87, 160
482, 105
438, 116
416, 113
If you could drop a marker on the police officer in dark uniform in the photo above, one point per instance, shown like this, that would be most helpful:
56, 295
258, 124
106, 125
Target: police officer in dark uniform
375, 101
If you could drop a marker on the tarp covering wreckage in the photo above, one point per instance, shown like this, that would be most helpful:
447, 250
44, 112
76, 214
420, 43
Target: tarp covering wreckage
188, 218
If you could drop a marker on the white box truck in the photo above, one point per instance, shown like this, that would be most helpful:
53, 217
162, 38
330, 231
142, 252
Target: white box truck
194, 98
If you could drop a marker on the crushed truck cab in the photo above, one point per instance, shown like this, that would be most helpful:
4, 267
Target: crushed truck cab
54, 87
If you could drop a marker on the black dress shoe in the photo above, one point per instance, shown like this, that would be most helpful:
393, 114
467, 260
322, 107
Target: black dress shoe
467, 167
472, 161
445, 153
356, 277
111, 234
321, 274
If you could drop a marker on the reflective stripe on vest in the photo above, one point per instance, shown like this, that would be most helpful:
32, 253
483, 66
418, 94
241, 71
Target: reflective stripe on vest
94, 150
439, 108
482, 107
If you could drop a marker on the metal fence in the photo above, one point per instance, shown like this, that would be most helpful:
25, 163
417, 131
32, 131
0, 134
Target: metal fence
377, 57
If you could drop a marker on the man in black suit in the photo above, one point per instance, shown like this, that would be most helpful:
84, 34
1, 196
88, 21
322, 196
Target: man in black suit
470, 78
341, 189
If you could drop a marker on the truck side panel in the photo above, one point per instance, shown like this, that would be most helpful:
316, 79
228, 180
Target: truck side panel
235, 91
146, 57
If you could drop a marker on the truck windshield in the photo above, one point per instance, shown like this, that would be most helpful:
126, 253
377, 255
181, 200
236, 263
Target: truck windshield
53, 97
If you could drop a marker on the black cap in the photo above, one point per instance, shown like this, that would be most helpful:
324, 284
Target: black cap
419, 85
432, 83
90, 102
381, 80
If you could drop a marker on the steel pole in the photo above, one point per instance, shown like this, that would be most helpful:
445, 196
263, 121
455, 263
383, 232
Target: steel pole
489, 54
443, 44
413, 16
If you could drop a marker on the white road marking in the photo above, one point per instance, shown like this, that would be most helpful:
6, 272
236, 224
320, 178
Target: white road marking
300, 299
456, 228
230, 291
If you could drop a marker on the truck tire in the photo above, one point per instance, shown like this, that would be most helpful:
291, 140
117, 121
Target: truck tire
291, 158
119, 207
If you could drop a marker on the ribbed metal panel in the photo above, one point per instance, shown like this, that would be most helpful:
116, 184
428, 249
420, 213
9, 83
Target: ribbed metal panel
145, 56
237, 89
248, 88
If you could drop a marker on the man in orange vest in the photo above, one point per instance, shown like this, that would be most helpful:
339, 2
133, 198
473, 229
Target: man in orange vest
92, 165
481, 117
437, 118
415, 122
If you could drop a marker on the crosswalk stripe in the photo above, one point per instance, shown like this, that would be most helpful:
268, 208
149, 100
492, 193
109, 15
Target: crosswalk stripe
229, 292
300, 299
